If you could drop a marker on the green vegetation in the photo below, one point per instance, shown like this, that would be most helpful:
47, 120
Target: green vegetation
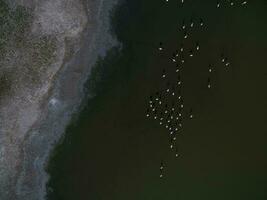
13, 23
23, 57
4, 84
40, 52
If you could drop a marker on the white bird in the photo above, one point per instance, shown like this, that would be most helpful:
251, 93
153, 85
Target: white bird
223, 58
160, 46
201, 22
183, 25
191, 24
218, 4
209, 83
210, 68
163, 73
191, 53
185, 35
244, 3
197, 46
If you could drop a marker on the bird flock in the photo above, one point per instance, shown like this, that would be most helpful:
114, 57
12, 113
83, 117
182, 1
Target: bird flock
166, 105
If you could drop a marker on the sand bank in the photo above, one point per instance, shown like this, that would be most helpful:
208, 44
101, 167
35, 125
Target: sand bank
34, 117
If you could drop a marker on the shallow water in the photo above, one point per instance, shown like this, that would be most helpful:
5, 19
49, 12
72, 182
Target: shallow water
114, 152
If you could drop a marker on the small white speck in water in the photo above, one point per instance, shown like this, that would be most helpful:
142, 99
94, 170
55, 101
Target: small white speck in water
54, 102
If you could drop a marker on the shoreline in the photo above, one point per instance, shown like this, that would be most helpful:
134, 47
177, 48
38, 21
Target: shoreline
63, 102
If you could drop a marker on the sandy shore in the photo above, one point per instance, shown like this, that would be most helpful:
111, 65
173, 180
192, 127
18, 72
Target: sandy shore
33, 122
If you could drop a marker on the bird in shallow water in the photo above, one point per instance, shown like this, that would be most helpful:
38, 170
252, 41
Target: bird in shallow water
176, 152
191, 53
218, 4
160, 48
150, 99
177, 68
166, 109
179, 82
183, 25
209, 83
244, 3
197, 46
223, 58
191, 23
173, 90
147, 113
185, 34
171, 116
168, 87
173, 57
201, 22
176, 53
191, 114
161, 169
163, 73
210, 68
227, 63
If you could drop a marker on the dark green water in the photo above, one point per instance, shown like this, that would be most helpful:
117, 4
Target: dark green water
112, 152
